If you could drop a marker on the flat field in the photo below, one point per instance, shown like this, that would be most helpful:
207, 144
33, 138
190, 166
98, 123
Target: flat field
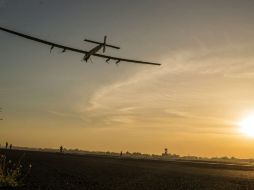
66, 171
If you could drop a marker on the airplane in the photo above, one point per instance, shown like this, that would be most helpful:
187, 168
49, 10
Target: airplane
97, 48
87, 54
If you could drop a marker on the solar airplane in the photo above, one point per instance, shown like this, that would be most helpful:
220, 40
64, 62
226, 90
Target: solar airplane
87, 54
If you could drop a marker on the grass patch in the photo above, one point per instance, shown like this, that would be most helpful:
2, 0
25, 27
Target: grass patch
12, 174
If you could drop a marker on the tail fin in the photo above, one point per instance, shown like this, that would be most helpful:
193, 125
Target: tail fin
104, 44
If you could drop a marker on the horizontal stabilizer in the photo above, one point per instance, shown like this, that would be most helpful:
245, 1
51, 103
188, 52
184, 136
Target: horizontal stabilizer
99, 43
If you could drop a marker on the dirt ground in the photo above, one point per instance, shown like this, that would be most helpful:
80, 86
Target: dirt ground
66, 171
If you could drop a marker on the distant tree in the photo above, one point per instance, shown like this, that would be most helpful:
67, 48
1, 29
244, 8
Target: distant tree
165, 152
61, 149
136, 154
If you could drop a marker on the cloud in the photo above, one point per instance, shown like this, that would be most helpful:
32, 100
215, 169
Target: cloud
185, 84
69, 115
120, 119
226, 62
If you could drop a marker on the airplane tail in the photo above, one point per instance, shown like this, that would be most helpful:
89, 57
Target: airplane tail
104, 44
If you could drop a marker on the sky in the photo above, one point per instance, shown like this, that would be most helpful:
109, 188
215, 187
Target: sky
190, 105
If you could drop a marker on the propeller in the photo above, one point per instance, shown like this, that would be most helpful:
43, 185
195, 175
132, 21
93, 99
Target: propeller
108, 60
104, 44
52, 47
118, 61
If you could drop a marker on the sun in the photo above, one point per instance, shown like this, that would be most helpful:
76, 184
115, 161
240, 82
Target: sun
247, 125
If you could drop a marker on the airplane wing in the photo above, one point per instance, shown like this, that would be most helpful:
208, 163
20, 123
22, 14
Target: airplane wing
118, 59
52, 44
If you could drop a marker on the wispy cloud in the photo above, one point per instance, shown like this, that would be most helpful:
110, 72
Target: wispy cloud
69, 115
171, 87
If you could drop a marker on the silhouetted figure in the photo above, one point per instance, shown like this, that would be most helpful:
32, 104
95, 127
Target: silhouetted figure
61, 149
10, 146
6, 145
121, 153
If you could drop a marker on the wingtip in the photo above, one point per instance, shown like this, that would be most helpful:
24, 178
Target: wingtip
156, 64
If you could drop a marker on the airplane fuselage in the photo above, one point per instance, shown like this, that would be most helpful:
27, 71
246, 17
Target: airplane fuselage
92, 52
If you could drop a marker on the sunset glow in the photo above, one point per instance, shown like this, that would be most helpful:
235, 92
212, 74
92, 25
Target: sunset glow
247, 125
